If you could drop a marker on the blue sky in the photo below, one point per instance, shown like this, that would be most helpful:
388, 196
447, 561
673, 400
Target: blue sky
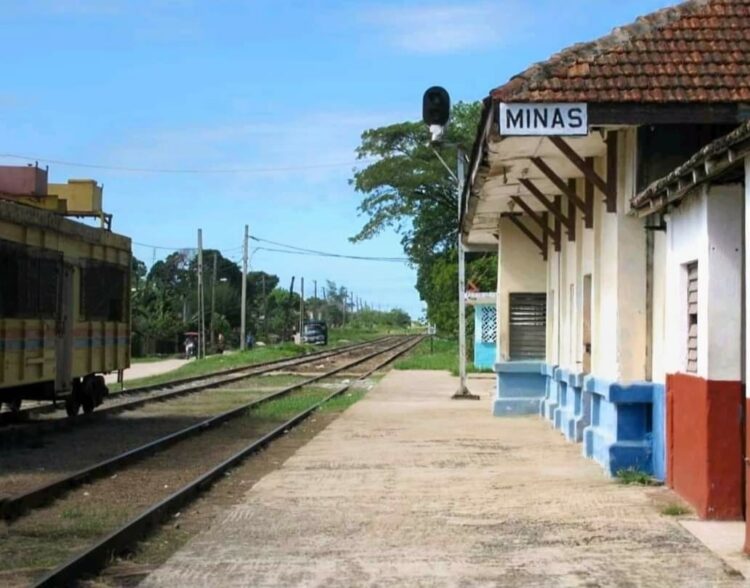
282, 89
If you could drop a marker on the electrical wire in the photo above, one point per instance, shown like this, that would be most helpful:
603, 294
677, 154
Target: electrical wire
195, 171
324, 253
336, 255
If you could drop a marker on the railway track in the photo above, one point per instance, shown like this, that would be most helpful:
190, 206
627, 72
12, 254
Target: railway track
14, 506
164, 391
94, 557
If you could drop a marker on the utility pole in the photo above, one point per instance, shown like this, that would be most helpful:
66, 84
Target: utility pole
301, 307
285, 326
344, 298
201, 308
243, 308
265, 307
317, 302
213, 300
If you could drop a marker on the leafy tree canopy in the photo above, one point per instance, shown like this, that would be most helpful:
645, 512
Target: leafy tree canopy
408, 189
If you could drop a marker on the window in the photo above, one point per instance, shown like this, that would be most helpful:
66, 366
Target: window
528, 325
692, 318
102, 292
488, 322
29, 281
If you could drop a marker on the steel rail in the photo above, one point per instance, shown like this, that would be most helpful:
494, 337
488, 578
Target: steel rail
9, 417
95, 557
14, 506
185, 386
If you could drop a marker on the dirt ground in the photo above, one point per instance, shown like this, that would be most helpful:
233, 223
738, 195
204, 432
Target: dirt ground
410, 488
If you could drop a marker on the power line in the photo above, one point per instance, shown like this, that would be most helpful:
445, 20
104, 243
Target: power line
304, 251
196, 171
336, 255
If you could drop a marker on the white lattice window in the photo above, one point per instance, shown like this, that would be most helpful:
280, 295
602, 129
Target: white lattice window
488, 320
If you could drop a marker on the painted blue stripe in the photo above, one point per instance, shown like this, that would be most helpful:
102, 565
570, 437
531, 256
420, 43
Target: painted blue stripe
27, 344
80, 343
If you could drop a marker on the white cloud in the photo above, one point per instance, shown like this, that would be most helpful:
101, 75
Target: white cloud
445, 28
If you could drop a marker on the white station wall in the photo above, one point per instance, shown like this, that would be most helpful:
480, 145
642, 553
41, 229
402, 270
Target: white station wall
521, 269
706, 228
614, 254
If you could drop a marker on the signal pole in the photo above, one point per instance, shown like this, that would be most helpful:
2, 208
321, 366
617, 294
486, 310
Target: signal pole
243, 309
463, 390
436, 108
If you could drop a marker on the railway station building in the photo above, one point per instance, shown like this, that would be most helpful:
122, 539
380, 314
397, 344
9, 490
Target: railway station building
611, 181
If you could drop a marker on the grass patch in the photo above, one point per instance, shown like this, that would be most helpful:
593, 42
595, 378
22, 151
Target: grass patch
441, 354
675, 510
216, 363
39, 543
635, 477
346, 335
282, 409
342, 401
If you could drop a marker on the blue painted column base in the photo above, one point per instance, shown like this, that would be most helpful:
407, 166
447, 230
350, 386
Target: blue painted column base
520, 388
620, 435
551, 393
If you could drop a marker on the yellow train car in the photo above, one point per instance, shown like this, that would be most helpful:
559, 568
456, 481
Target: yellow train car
64, 308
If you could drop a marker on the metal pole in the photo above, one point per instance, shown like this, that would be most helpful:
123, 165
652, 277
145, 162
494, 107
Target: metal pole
213, 301
463, 391
301, 307
243, 307
201, 317
265, 307
316, 315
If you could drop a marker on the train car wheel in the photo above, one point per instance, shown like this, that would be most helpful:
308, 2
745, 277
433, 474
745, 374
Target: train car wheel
72, 406
88, 403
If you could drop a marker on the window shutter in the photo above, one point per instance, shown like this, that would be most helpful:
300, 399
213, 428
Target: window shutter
528, 325
692, 303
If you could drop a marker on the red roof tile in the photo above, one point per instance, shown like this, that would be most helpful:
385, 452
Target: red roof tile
698, 51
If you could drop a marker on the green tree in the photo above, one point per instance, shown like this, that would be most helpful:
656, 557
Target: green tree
408, 189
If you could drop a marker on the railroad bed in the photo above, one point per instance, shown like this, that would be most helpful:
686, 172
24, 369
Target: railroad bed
161, 453
47, 416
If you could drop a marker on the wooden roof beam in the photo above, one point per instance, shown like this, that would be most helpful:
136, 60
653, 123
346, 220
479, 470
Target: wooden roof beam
607, 187
558, 182
539, 218
516, 220
554, 207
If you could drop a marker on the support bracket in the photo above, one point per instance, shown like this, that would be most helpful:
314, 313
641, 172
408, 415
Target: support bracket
554, 207
607, 187
539, 218
515, 218
558, 182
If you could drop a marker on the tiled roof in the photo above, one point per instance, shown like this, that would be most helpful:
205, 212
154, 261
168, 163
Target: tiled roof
697, 51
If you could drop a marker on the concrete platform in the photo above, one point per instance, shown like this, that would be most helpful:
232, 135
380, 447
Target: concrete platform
410, 488
146, 369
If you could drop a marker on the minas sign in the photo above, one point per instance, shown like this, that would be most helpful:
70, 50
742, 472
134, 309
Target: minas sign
543, 119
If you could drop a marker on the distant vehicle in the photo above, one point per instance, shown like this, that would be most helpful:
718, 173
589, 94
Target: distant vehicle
315, 332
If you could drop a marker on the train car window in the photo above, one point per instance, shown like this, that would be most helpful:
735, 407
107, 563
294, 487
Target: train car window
102, 292
30, 281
